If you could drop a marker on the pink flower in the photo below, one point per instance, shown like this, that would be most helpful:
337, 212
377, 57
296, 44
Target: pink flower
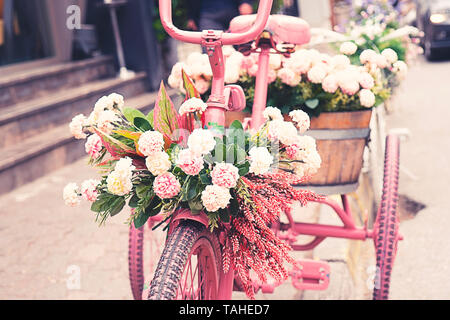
271, 76
330, 83
201, 85
225, 175
166, 186
289, 77
317, 73
189, 162
349, 87
253, 70
291, 151
150, 142
93, 145
366, 80
89, 190
215, 197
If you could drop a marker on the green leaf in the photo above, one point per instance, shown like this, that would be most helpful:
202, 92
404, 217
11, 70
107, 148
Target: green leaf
117, 206
149, 117
196, 206
236, 124
205, 178
133, 202
224, 215
98, 204
165, 117
312, 103
244, 168
131, 113
142, 123
143, 190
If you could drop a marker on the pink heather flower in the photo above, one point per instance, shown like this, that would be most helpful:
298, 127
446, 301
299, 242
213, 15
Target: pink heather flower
366, 80
189, 162
150, 142
166, 186
225, 175
215, 197
330, 83
289, 77
89, 189
93, 145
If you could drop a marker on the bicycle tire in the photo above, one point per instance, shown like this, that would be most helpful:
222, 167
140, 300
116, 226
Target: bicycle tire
135, 261
386, 225
187, 239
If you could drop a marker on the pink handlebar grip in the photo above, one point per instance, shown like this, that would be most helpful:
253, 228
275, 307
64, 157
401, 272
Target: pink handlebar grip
165, 12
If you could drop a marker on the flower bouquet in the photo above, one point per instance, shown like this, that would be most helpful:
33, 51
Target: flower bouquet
309, 80
166, 160
375, 26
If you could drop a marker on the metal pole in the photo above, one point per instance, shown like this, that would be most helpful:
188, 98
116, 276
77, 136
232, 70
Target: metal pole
123, 72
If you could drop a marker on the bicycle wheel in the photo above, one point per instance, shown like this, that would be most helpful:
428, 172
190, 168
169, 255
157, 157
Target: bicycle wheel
189, 266
153, 244
386, 225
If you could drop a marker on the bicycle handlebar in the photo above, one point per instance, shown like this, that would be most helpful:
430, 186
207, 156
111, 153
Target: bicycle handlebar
165, 13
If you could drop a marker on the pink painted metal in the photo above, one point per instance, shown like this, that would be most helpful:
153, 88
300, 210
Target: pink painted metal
260, 99
311, 275
287, 29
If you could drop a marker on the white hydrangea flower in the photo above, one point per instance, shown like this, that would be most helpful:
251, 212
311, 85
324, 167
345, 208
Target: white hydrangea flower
201, 141
271, 113
368, 56
284, 131
215, 197
125, 167
158, 163
317, 73
366, 98
70, 195
118, 184
117, 100
76, 126
105, 121
400, 68
390, 55
348, 48
260, 160
301, 118
192, 105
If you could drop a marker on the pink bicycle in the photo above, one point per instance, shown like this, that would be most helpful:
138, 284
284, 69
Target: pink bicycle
190, 266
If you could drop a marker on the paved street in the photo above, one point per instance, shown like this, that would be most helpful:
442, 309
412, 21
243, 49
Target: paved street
49, 251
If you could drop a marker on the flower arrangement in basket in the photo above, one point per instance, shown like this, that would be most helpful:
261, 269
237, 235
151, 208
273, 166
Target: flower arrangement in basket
165, 160
375, 26
309, 80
